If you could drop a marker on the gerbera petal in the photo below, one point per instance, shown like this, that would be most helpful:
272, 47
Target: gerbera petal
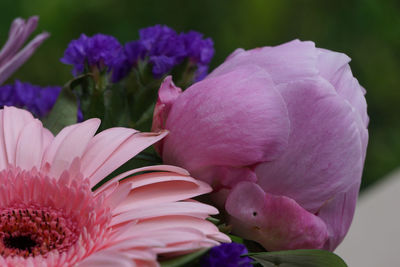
55, 144
185, 247
194, 209
127, 149
102, 146
164, 187
14, 121
124, 233
106, 259
110, 185
28, 152
174, 235
71, 145
3, 149
179, 221
118, 195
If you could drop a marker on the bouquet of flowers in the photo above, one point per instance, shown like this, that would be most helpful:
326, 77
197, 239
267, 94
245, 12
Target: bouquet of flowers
144, 158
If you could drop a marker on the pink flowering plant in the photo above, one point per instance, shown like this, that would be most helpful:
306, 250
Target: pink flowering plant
144, 158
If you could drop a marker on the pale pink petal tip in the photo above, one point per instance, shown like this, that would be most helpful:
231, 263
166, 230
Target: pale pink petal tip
10, 58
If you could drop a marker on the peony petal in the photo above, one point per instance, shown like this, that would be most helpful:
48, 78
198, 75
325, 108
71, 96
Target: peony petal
334, 67
324, 156
225, 177
127, 149
291, 61
196, 117
337, 214
276, 222
167, 95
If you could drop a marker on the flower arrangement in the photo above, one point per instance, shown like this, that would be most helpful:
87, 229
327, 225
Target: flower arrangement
258, 162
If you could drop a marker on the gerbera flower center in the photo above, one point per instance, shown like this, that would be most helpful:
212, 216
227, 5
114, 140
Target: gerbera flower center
33, 231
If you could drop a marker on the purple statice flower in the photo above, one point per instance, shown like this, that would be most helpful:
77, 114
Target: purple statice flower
122, 65
11, 55
228, 254
200, 51
164, 49
36, 99
100, 50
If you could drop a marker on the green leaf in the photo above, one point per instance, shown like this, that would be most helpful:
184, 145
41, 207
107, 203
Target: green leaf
298, 258
64, 111
236, 239
185, 260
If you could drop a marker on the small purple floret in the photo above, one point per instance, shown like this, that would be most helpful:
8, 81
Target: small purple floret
36, 99
199, 50
166, 49
100, 51
122, 65
229, 255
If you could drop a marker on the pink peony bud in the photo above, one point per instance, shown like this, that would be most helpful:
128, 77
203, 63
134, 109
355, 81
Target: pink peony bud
281, 135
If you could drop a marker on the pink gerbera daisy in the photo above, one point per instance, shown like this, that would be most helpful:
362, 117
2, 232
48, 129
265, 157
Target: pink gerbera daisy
49, 216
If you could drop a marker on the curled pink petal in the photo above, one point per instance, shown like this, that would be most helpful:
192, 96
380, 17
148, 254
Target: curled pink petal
167, 95
276, 222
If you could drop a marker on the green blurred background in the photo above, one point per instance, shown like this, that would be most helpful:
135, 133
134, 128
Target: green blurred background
366, 30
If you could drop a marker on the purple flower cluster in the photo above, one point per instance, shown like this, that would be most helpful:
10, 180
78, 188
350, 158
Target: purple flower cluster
36, 99
166, 49
228, 254
200, 51
99, 50
160, 45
